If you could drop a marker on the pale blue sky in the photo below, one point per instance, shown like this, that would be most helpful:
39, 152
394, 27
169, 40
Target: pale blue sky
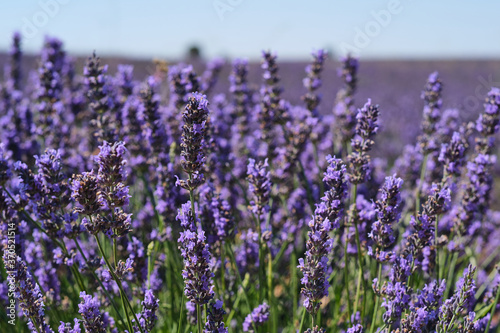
241, 28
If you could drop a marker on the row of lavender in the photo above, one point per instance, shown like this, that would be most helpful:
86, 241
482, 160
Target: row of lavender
140, 207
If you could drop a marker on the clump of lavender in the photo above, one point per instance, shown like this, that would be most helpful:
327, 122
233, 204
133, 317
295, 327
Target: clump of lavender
488, 122
66, 327
272, 110
316, 329
147, 317
259, 179
312, 81
211, 74
396, 292
218, 212
344, 111
388, 212
93, 318
183, 81
240, 90
26, 291
215, 318
99, 93
193, 141
452, 154
476, 193
197, 273
13, 71
461, 301
432, 113
153, 130
423, 226
423, 314
102, 196
319, 245
48, 94
366, 128
257, 318
46, 191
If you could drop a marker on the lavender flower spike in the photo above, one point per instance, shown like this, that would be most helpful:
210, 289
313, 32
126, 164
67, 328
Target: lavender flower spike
366, 128
452, 154
258, 317
319, 244
344, 110
93, 319
313, 81
259, 179
193, 140
147, 317
432, 112
26, 291
215, 318
197, 274
388, 210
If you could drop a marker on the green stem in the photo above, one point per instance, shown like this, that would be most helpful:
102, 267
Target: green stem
419, 187
198, 318
115, 307
223, 269
451, 273
122, 297
181, 312
377, 300
301, 327
310, 198
492, 313
436, 247
238, 277
118, 282
294, 283
346, 278
359, 255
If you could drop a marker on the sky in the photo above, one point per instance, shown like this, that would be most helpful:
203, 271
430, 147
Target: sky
409, 29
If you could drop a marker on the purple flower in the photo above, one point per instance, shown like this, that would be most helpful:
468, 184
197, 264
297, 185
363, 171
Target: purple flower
312, 81
432, 114
193, 140
215, 318
462, 300
210, 76
259, 185
66, 327
147, 317
315, 268
488, 122
388, 212
452, 154
26, 291
257, 318
344, 111
197, 273
93, 319
366, 128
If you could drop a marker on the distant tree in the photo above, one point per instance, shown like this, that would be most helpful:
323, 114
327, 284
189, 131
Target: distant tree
194, 52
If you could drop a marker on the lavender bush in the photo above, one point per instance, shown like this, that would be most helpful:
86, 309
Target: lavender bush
160, 206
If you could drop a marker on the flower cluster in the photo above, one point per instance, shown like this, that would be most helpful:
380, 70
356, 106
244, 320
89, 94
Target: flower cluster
312, 81
366, 128
193, 140
326, 217
257, 318
432, 112
197, 273
388, 212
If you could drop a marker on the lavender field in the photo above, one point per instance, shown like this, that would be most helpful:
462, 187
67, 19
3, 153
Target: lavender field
228, 196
